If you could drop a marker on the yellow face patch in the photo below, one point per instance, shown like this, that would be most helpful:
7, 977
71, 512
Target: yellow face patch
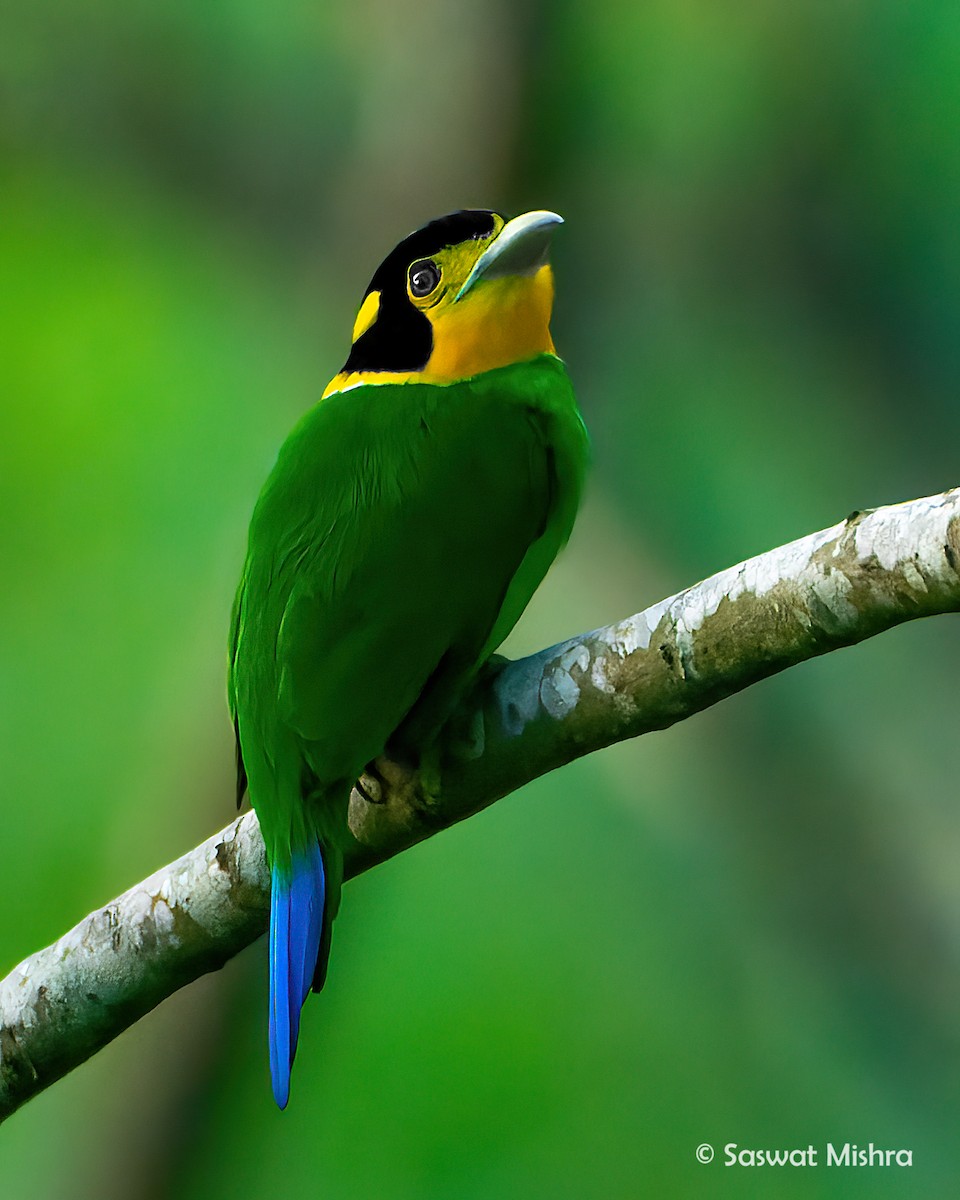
369, 310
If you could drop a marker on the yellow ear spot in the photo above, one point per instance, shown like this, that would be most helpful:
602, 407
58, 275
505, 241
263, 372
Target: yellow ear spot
369, 310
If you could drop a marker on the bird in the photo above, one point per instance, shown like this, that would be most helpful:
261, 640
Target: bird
409, 518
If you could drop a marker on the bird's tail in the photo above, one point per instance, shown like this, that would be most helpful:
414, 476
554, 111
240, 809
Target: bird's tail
296, 920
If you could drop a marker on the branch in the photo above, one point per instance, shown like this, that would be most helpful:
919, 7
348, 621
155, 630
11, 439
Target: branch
834, 588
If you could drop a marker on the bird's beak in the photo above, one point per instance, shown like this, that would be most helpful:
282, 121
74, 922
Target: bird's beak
521, 248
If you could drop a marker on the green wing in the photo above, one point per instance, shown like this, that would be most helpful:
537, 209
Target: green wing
400, 535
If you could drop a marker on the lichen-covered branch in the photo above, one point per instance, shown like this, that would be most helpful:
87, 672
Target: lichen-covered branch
830, 589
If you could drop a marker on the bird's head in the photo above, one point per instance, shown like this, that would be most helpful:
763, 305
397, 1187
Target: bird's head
467, 293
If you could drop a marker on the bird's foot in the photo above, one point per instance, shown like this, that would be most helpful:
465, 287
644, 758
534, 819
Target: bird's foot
371, 785
389, 779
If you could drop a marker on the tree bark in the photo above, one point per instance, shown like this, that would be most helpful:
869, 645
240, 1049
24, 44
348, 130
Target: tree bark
870, 572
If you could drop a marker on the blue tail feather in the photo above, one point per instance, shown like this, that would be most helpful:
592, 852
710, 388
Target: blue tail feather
296, 917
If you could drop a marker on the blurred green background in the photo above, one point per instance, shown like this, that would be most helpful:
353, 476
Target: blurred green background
746, 929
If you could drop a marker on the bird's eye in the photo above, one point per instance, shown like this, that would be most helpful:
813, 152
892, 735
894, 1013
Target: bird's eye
424, 277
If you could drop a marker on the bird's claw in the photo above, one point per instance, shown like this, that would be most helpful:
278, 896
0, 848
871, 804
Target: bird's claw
386, 778
370, 787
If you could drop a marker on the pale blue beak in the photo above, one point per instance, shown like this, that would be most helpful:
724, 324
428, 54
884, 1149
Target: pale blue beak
521, 248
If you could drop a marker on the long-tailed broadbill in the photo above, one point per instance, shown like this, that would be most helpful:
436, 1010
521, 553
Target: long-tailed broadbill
409, 518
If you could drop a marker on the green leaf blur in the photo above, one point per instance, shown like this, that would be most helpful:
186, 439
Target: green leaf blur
746, 929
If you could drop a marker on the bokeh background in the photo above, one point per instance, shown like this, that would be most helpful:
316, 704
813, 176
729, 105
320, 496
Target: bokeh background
742, 930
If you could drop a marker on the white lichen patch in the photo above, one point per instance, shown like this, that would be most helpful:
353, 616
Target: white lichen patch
598, 675
757, 575
559, 694
913, 577
909, 537
634, 633
625, 638
163, 919
576, 656
559, 691
832, 591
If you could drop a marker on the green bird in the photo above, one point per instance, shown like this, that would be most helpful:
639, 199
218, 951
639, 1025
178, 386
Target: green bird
410, 516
